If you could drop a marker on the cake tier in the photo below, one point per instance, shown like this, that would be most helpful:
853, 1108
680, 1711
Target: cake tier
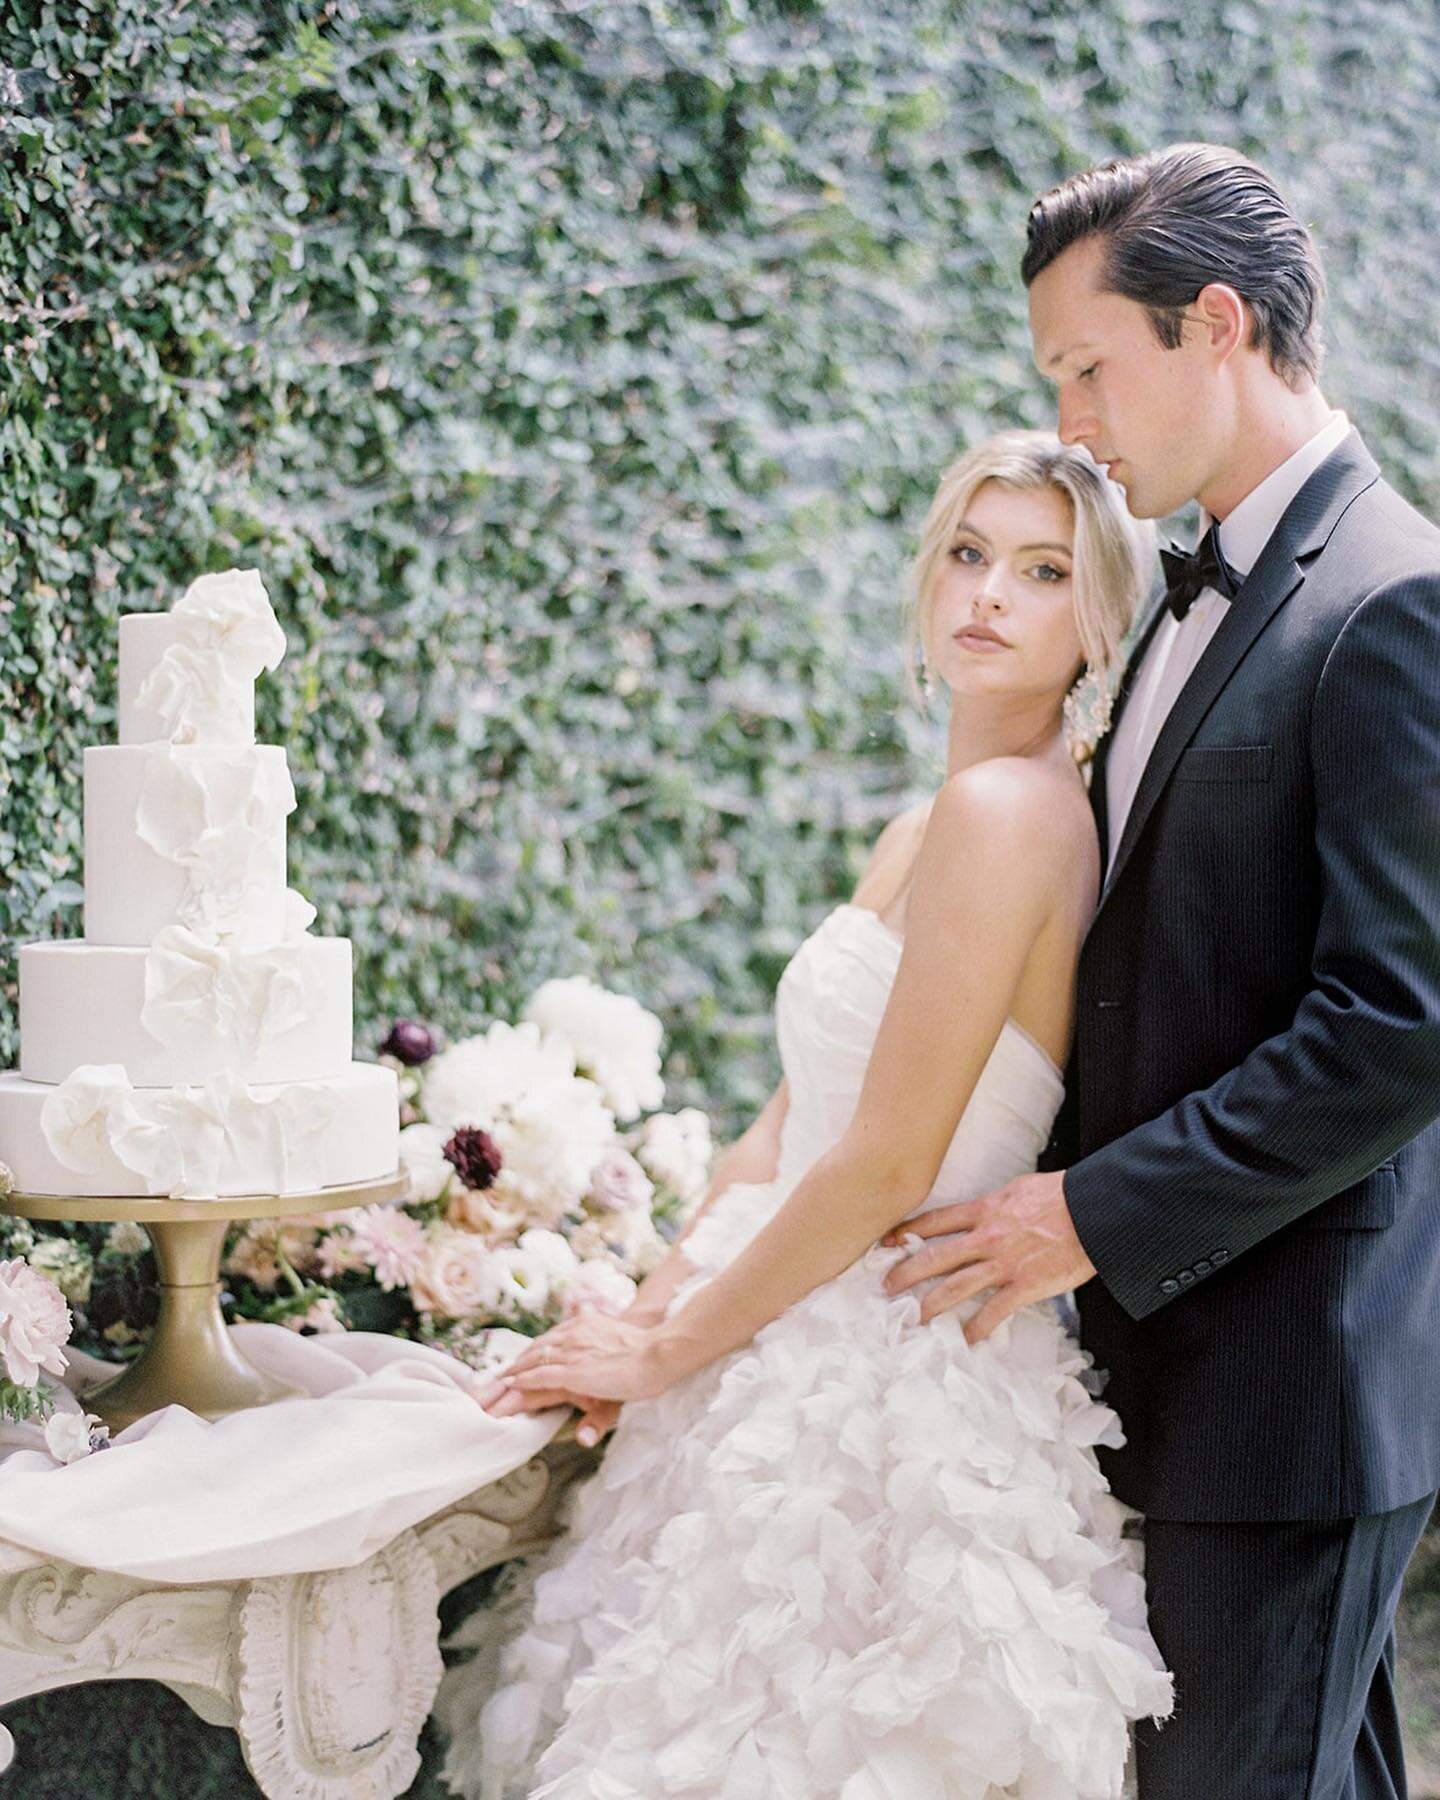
185, 834
349, 1122
184, 1010
144, 639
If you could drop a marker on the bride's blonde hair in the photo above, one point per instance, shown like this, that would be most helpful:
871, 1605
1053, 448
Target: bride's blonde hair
1114, 554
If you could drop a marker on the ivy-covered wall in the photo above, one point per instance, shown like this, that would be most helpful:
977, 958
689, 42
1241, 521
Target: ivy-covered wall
577, 372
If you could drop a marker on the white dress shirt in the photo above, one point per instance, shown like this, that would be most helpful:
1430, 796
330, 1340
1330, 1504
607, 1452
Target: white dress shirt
1178, 644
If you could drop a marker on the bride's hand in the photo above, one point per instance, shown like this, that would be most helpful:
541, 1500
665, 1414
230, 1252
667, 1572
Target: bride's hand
592, 1356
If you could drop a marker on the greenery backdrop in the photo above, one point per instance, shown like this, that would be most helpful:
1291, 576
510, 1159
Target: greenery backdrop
577, 372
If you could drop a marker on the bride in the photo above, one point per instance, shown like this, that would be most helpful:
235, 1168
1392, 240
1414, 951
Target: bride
834, 1548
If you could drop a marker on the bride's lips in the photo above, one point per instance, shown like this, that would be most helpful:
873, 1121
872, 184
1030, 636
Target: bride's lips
981, 638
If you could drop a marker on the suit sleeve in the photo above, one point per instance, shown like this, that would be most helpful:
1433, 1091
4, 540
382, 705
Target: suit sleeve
1357, 1074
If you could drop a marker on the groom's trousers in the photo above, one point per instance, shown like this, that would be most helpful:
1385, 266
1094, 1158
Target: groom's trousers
1281, 1640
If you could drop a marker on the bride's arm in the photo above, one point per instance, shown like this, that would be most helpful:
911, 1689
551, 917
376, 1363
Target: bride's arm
997, 862
991, 871
754, 1156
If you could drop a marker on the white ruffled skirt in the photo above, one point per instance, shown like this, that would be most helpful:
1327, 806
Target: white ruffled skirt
856, 1558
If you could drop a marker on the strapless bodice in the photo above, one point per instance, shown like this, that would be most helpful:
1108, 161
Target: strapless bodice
828, 1008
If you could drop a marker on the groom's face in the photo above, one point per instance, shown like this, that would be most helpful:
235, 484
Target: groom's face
1147, 413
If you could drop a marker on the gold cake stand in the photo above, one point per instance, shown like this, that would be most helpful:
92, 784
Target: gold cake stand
190, 1360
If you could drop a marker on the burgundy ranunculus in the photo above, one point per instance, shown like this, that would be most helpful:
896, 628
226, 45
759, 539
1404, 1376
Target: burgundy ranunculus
475, 1156
409, 1042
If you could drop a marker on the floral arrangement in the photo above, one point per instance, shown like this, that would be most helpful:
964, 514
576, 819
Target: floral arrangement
542, 1177
35, 1325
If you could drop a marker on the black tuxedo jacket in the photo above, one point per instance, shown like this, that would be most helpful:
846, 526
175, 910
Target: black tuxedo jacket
1250, 1129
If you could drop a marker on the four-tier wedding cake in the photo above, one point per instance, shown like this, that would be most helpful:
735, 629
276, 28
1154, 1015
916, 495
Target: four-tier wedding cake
197, 1041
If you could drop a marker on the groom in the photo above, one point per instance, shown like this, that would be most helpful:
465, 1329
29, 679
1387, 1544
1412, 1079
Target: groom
1248, 1195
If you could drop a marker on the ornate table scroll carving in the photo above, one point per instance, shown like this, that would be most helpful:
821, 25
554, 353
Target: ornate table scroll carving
327, 1677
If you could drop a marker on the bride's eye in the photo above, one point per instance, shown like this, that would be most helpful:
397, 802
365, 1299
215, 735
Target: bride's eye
1047, 572
966, 553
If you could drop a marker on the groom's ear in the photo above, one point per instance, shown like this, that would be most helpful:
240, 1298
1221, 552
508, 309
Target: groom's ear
1219, 313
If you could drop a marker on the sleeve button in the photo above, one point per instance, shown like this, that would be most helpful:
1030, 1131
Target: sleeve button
1218, 1256
1203, 1266
1169, 1287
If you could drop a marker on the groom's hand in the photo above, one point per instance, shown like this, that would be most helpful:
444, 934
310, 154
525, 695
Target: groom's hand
1018, 1242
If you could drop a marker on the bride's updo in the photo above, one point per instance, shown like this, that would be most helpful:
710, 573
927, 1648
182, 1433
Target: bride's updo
1114, 556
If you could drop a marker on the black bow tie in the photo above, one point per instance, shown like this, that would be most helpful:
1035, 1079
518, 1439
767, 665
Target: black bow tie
1188, 571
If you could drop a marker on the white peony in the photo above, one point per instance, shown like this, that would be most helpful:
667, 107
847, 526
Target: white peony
34, 1323
520, 1085
422, 1158
72, 1435
676, 1149
615, 1041
599, 1286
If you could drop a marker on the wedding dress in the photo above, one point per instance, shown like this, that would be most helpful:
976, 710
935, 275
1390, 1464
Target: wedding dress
856, 1558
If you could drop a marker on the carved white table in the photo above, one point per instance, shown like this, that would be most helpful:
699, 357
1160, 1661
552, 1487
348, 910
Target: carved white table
327, 1677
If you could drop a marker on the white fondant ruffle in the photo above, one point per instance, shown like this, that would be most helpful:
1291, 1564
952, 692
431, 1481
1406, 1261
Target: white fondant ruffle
227, 633
216, 820
857, 1558
201, 988
179, 1140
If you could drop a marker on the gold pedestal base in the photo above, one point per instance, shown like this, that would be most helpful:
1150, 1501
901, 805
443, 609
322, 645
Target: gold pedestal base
190, 1360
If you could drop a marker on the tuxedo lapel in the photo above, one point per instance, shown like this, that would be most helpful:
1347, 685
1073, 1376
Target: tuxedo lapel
1301, 534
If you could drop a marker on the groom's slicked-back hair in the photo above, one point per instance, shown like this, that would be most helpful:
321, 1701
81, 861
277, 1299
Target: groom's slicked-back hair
1173, 221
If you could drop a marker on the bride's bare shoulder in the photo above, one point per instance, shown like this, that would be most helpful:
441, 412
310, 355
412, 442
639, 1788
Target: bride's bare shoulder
1016, 806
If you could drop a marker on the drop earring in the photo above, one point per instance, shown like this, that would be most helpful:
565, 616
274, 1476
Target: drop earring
1087, 712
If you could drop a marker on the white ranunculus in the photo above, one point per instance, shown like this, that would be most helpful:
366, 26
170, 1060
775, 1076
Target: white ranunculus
422, 1158
676, 1149
616, 1042
599, 1286
69, 1436
519, 1084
